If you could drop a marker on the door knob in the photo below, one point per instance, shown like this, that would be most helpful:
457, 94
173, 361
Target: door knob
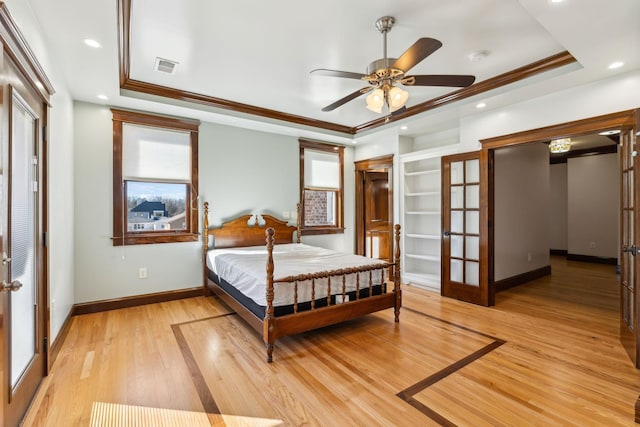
13, 286
5, 258
446, 234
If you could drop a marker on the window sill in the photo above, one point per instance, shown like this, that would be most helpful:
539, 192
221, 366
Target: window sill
321, 230
147, 239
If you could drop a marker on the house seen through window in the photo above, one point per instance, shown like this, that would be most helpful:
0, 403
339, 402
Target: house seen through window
155, 179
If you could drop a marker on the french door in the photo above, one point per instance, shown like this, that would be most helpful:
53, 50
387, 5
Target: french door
461, 276
22, 291
629, 239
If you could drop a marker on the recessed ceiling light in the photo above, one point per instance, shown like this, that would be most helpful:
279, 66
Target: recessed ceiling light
609, 132
103, 97
615, 65
556, 1
404, 127
481, 105
92, 43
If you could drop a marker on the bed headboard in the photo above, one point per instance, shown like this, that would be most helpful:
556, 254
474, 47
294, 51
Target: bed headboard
238, 232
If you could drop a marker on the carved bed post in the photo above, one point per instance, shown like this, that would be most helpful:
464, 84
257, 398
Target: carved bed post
396, 278
269, 314
299, 232
205, 248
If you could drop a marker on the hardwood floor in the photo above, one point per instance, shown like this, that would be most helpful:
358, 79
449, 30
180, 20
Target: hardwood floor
546, 354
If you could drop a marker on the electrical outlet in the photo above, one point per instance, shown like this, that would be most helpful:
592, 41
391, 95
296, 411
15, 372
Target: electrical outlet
529, 257
592, 245
142, 273
285, 214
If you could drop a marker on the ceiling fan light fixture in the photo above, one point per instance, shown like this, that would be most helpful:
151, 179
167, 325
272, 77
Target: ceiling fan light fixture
561, 145
375, 101
397, 98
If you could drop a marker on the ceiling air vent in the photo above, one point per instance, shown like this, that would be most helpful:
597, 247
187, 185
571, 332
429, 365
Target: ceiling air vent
165, 66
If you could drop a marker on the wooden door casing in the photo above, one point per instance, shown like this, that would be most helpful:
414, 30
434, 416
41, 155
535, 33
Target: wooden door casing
23, 80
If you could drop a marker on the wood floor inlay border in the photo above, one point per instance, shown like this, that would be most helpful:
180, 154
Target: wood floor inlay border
208, 402
408, 394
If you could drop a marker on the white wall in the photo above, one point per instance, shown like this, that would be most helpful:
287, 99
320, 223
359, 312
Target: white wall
60, 185
240, 171
593, 205
521, 209
606, 96
558, 207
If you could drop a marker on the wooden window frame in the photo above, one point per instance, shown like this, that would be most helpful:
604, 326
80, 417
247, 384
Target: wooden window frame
323, 229
125, 237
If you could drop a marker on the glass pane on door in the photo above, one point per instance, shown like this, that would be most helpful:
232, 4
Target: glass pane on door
465, 222
472, 172
22, 240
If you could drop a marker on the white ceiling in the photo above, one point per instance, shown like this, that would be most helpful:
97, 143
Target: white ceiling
260, 53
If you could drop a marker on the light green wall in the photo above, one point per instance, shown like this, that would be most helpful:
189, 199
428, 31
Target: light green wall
240, 171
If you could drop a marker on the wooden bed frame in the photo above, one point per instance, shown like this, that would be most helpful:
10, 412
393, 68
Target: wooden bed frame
237, 233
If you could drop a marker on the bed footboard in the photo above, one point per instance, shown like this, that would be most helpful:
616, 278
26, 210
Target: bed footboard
370, 295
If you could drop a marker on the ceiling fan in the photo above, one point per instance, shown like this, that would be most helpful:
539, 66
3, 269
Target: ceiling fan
383, 75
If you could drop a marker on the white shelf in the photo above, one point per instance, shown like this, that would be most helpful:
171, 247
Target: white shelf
424, 193
427, 281
434, 258
426, 172
423, 236
422, 212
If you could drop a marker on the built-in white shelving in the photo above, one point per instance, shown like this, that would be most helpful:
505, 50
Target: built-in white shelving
421, 216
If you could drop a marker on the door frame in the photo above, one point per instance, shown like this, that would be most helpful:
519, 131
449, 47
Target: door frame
13, 45
361, 167
619, 120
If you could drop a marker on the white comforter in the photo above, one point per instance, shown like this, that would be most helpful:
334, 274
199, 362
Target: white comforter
245, 269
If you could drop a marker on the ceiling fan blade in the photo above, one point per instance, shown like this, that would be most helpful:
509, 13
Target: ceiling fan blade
416, 53
399, 110
336, 73
452, 80
347, 98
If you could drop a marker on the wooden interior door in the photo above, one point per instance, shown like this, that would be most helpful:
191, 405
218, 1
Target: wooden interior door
460, 277
376, 216
629, 253
374, 207
23, 290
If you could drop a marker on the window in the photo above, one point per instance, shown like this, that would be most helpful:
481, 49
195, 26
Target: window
321, 183
155, 179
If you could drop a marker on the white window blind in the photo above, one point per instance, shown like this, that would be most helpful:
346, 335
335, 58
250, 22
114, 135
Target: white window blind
22, 244
321, 170
153, 153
